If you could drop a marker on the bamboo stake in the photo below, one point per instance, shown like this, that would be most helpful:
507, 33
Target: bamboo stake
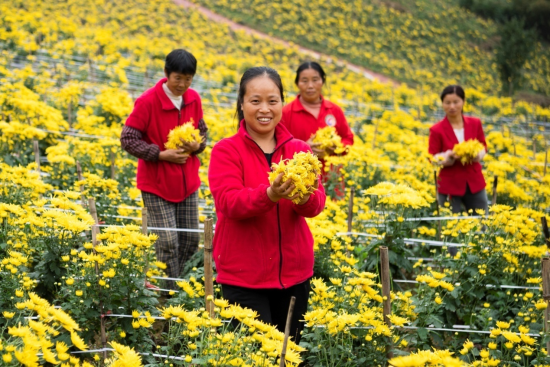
545, 162
282, 362
95, 229
545, 231
350, 208
113, 167
79, 177
437, 206
36, 155
350, 213
495, 186
145, 231
208, 277
546, 297
385, 275
534, 149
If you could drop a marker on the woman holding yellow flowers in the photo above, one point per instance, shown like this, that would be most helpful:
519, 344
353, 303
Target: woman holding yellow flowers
263, 247
169, 178
310, 112
458, 145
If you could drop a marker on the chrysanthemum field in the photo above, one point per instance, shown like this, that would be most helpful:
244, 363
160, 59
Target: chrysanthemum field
72, 293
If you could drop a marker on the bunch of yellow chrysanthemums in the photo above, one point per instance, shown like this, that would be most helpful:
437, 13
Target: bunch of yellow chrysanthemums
303, 169
328, 138
183, 133
468, 150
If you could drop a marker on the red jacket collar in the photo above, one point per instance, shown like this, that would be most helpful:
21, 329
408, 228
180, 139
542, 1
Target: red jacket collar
167, 104
281, 135
298, 106
468, 129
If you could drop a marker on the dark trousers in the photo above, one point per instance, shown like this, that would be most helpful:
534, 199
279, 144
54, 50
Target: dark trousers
468, 201
272, 304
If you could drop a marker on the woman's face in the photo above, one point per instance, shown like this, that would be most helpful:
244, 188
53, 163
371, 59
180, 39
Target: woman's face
262, 105
452, 105
310, 84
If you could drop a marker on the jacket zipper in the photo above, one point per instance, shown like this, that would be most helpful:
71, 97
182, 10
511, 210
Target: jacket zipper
280, 248
278, 216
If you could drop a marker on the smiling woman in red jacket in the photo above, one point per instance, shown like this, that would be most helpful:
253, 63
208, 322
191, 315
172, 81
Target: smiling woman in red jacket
460, 184
263, 248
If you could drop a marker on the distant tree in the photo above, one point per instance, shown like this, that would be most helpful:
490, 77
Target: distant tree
515, 47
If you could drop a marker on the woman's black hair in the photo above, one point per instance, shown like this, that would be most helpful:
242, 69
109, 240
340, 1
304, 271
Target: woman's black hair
454, 89
180, 61
253, 73
310, 65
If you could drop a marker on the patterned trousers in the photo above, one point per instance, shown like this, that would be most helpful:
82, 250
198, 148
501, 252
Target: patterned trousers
173, 248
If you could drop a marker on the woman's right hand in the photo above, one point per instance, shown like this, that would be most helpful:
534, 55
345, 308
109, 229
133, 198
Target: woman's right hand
281, 190
178, 156
450, 158
320, 153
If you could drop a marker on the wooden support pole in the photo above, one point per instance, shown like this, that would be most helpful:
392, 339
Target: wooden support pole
534, 148
545, 231
386, 289
546, 297
437, 206
113, 164
282, 362
145, 231
350, 209
95, 230
208, 276
79, 178
545, 162
36, 154
495, 186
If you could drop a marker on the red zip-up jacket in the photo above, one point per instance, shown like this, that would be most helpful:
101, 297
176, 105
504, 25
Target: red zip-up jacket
453, 179
259, 243
154, 115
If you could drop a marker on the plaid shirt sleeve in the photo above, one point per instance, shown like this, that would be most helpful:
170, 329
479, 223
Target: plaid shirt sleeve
203, 132
132, 141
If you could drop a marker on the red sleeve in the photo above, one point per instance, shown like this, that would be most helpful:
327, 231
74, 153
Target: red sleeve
139, 118
435, 144
231, 197
316, 202
342, 127
481, 134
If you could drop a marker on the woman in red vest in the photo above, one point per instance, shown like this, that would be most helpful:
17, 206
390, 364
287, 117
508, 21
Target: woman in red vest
263, 247
310, 112
460, 184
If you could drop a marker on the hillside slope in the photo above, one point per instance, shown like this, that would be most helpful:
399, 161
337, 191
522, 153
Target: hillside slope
424, 43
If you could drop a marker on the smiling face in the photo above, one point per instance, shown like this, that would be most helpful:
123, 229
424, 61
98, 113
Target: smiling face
262, 106
310, 84
452, 105
178, 83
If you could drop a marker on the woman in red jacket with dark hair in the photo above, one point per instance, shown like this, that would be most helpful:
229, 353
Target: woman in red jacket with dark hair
263, 247
310, 112
460, 184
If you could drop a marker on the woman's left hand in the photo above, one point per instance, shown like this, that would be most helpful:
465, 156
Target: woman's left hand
306, 197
